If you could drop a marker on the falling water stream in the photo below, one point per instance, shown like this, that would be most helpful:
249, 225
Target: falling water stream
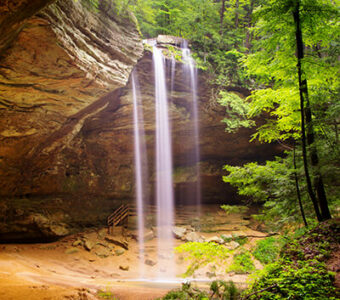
190, 73
164, 192
164, 185
140, 152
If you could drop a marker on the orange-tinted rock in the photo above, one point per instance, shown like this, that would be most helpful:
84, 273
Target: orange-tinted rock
65, 64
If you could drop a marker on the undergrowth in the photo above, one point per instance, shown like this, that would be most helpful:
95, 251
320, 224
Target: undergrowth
299, 272
267, 250
218, 290
242, 263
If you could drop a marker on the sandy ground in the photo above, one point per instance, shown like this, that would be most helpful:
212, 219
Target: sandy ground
60, 270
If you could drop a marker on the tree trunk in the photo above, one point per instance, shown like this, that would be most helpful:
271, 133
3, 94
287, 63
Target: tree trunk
236, 14
249, 23
298, 190
306, 114
222, 16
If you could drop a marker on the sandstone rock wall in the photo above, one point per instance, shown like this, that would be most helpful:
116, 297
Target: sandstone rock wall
66, 63
101, 157
66, 126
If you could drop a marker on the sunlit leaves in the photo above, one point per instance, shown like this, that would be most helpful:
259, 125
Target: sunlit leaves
237, 110
201, 254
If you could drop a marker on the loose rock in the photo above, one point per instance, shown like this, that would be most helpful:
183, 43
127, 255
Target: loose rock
71, 250
179, 232
124, 267
215, 239
123, 244
88, 245
77, 243
150, 262
232, 245
119, 252
193, 237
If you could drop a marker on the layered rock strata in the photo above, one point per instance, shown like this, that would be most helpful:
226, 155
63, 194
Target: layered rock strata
66, 125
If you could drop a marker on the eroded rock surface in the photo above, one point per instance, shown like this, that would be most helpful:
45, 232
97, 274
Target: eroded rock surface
65, 64
66, 125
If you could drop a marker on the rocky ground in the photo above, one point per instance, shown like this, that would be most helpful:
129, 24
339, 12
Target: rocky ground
80, 266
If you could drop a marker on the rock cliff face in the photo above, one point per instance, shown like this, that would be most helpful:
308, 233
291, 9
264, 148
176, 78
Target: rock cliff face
105, 143
64, 65
66, 126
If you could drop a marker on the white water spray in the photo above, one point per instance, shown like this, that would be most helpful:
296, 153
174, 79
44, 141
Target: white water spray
190, 71
140, 156
164, 184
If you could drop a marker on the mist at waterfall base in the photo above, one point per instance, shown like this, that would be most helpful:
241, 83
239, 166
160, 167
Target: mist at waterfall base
163, 68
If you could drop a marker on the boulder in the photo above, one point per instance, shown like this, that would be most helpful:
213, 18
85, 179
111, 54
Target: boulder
88, 244
77, 243
124, 267
119, 252
227, 237
102, 233
150, 262
179, 232
193, 237
148, 235
118, 242
71, 250
102, 252
232, 245
215, 239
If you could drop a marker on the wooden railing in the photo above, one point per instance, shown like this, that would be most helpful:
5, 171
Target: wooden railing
119, 216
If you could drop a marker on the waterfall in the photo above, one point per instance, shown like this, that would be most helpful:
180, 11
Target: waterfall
140, 166
164, 185
172, 74
190, 72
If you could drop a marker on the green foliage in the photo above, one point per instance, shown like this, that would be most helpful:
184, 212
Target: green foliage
271, 67
224, 290
236, 238
219, 289
187, 292
234, 209
242, 240
237, 111
106, 295
303, 280
218, 47
273, 184
242, 263
267, 250
201, 254
301, 272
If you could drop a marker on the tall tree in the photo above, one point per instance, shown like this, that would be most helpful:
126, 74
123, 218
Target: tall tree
279, 61
306, 114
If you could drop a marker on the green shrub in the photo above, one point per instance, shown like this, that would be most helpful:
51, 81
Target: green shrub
224, 290
267, 250
187, 292
201, 254
239, 239
106, 295
306, 280
242, 263
234, 209
219, 289
301, 271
